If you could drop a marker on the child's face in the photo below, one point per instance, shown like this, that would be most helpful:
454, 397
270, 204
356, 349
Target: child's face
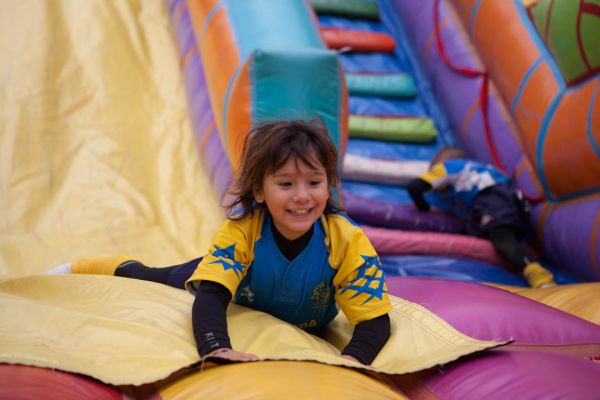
296, 196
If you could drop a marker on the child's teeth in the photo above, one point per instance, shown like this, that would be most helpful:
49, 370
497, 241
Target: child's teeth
300, 211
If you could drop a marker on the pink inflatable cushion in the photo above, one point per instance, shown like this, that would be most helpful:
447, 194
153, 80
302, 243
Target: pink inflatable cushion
488, 313
509, 374
394, 242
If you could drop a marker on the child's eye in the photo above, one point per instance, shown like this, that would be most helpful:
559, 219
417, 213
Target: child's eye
285, 184
315, 182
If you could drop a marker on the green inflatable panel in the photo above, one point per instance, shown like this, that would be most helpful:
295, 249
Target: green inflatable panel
366, 9
414, 130
571, 30
383, 85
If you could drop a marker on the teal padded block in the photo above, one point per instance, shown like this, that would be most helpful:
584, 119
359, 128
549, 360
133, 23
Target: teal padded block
297, 84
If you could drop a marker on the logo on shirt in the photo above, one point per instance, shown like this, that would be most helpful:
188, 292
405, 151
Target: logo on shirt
226, 257
305, 325
369, 280
247, 293
320, 297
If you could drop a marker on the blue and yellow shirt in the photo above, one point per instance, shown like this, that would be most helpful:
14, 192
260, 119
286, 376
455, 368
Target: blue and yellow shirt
463, 179
338, 267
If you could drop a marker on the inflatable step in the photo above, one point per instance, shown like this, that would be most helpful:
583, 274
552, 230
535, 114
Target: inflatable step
357, 40
397, 129
399, 85
363, 9
397, 216
395, 242
390, 172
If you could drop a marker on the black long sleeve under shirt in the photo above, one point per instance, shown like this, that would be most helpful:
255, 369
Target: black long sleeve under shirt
210, 324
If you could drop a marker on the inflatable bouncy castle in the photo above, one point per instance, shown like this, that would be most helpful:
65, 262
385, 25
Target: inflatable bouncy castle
123, 123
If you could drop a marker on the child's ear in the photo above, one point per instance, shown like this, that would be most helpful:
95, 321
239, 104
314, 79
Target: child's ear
258, 195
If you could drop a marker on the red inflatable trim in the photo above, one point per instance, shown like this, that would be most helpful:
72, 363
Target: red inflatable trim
356, 40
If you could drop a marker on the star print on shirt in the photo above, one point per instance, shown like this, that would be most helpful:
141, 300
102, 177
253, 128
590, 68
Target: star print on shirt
226, 258
365, 287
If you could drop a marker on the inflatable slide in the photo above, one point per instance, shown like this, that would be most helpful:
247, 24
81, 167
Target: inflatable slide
123, 123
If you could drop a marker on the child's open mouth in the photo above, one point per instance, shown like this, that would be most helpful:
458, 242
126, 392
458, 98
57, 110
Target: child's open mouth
304, 211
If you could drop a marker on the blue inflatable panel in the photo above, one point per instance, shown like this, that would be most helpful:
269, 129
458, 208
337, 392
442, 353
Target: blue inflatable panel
372, 62
366, 105
561, 276
332, 21
460, 269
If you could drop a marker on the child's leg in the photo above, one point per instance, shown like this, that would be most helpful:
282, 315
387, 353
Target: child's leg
506, 243
98, 266
127, 267
174, 276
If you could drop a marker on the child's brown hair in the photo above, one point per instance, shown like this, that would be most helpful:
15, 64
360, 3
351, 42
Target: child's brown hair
269, 146
447, 153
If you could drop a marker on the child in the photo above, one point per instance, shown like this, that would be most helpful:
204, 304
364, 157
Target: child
493, 207
286, 249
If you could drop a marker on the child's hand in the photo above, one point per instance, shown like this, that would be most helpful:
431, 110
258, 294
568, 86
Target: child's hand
347, 357
232, 355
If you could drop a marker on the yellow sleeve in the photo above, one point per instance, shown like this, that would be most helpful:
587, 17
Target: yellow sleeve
229, 256
435, 173
361, 291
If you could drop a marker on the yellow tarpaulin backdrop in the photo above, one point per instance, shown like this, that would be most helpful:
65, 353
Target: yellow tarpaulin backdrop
97, 156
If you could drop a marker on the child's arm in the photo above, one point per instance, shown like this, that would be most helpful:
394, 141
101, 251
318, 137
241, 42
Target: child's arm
210, 324
215, 280
368, 339
416, 188
208, 317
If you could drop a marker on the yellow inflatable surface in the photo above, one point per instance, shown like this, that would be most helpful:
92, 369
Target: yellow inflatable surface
580, 299
302, 381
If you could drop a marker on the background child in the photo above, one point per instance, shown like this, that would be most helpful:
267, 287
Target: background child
493, 207
286, 249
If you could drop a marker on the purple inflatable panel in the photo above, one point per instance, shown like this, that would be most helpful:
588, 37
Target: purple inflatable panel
571, 233
512, 374
463, 111
202, 118
489, 313
398, 216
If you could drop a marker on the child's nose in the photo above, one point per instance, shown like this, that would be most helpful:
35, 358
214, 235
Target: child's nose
301, 193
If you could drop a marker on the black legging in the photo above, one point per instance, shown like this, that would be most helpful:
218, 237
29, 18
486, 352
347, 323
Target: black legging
174, 276
507, 244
